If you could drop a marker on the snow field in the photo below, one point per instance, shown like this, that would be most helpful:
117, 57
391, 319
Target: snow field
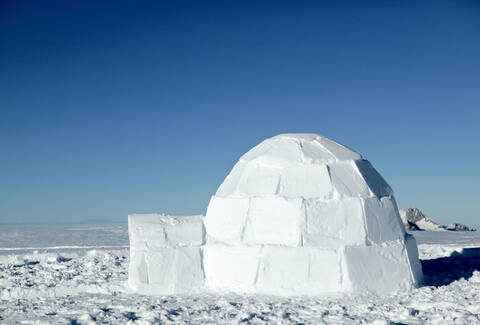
88, 287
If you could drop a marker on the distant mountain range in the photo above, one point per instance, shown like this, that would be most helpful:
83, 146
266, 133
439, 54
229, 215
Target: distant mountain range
414, 219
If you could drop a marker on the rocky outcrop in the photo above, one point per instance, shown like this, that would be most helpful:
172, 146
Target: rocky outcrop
458, 227
414, 219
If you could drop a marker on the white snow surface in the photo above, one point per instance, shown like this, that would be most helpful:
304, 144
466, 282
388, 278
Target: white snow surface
78, 276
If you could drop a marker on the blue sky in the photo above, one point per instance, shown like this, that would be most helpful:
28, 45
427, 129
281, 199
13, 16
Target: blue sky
114, 107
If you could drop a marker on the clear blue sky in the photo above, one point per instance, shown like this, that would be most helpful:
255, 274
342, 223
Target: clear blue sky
112, 107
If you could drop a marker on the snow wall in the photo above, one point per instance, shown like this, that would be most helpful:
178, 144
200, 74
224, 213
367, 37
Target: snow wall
299, 214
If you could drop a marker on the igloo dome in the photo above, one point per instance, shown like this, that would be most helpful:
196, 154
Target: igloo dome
299, 214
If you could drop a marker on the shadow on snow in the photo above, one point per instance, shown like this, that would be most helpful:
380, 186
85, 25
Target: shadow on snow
444, 270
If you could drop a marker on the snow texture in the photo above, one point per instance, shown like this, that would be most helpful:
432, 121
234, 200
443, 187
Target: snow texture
299, 214
77, 276
166, 253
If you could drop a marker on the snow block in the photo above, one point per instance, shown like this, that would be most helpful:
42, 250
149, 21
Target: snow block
229, 268
167, 271
305, 180
165, 253
382, 220
226, 218
379, 269
347, 180
269, 269
338, 150
334, 223
137, 269
299, 271
230, 184
412, 254
314, 152
291, 180
154, 231
274, 220
257, 185
275, 154
252, 179
375, 181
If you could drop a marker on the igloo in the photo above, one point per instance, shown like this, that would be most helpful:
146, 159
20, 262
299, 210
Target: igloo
299, 214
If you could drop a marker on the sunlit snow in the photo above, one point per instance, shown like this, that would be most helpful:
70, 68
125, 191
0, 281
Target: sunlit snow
78, 275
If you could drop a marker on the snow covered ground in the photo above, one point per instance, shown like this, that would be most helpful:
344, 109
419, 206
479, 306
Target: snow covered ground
77, 276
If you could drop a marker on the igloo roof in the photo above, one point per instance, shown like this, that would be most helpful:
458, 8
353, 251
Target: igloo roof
303, 165
301, 148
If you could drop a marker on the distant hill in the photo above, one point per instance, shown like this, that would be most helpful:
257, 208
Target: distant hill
414, 219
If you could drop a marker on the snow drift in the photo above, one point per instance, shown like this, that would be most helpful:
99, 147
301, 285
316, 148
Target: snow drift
299, 214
